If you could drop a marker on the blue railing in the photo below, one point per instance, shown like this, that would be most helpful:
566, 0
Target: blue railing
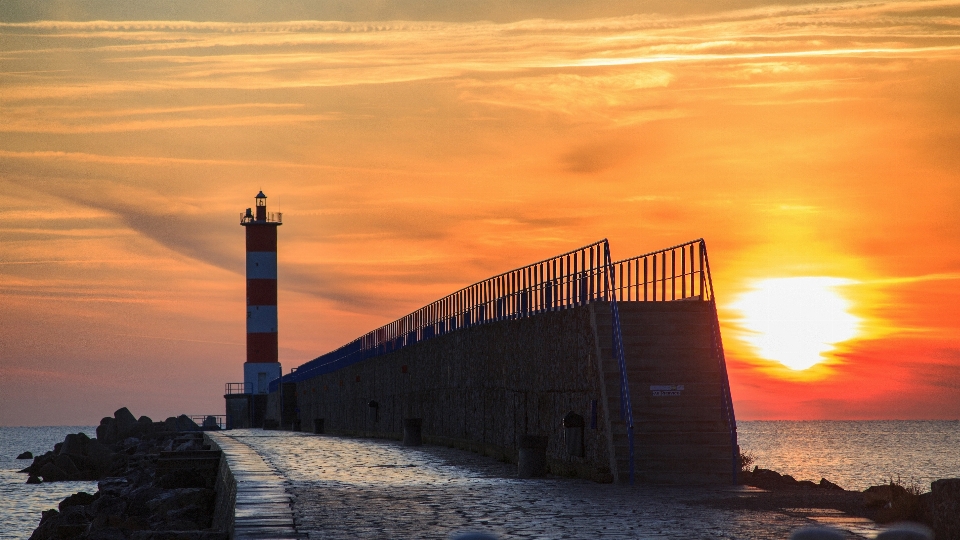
726, 397
626, 406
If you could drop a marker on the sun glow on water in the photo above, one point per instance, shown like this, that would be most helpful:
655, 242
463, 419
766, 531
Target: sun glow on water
796, 321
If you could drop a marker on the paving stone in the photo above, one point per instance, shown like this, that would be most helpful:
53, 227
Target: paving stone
345, 488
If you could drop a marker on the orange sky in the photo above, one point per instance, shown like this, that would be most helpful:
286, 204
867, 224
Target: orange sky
418, 147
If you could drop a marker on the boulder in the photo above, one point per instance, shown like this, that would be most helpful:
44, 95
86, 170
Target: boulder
113, 486
107, 431
38, 463
47, 527
72, 444
826, 484
65, 464
188, 446
81, 498
144, 426
883, 495
33, 479
100, 456
125, 421
184, 423
52, 473
175, 499
109, 533
945, 507
25, 455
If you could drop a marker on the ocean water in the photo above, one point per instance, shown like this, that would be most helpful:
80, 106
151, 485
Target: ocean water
853, 454
21, 503
856, 454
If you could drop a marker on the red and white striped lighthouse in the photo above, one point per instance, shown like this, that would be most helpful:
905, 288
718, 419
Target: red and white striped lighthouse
262, 365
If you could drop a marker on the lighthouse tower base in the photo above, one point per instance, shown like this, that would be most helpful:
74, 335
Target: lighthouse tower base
257, 376
245, 410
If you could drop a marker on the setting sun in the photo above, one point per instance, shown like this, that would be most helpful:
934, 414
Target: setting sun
795, 321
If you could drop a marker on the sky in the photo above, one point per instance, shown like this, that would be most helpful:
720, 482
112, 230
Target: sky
415, 147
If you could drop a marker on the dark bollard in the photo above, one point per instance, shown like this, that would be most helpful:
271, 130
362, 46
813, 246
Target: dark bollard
573, 433
318, 426
374, 414
412, 431
533, 456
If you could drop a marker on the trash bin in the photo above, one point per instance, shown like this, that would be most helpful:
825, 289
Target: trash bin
573, 425
412, 431
318, 426
533, 456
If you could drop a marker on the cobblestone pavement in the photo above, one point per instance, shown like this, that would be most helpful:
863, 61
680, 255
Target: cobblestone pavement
366, 488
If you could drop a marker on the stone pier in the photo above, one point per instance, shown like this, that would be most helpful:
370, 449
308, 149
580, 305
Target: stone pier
345, 488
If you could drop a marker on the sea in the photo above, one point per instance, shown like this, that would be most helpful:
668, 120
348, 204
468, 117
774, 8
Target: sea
21, 503
853, 454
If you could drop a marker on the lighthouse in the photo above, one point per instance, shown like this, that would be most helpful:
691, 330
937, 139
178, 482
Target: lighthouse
262, 365
247, 401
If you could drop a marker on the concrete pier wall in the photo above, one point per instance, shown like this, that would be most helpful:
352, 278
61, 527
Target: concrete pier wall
484, 387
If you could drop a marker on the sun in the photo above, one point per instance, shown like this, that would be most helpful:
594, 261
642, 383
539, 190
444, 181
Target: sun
797, 320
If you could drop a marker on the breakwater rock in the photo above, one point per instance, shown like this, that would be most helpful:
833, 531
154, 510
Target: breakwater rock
79, 457
938, 509
156, 482
767, 479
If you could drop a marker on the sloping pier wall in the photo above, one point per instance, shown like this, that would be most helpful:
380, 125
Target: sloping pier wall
483, 387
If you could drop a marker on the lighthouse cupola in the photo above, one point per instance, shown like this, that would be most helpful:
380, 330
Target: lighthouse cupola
261, 207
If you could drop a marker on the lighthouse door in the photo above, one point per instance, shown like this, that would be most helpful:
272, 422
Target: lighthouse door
261, 383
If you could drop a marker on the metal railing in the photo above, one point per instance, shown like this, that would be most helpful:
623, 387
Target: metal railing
571, 279
675, 273
232, 388
626, 406
199, 419
272, 217
725, 397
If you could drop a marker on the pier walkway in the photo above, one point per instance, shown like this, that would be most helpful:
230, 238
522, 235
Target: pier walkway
361, 488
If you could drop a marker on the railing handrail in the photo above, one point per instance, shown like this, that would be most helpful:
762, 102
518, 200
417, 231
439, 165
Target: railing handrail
220, 418
229, 388
545, 285
626, 404
661, 250
693, 264
726, 396
271, 217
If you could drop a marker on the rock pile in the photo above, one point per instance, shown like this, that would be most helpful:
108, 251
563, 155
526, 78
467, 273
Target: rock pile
767, 479
156, 482
79, 457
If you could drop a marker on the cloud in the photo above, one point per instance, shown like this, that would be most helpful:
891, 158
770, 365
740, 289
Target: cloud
593, 158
